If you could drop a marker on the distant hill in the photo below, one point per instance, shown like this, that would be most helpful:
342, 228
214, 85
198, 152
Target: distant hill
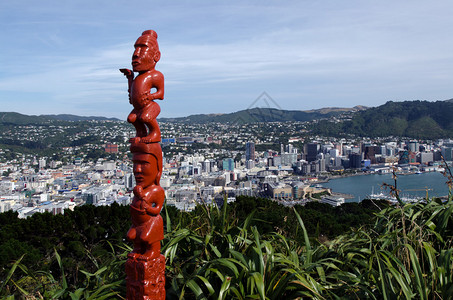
417, 119
264, 115
244, 116
67, 117
13, 118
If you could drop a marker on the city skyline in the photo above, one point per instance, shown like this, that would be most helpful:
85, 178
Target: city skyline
63, 58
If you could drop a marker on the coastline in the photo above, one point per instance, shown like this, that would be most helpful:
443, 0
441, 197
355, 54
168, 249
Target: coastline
362, 185
375, 173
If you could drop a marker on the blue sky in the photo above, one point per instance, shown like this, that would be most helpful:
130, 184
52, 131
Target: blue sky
219, 56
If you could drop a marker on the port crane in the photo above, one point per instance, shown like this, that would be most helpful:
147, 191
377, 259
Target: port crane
419, 190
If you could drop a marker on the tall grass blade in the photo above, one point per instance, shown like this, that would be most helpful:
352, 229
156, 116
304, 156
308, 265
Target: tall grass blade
167, 217
418, 274
306, 239
224, 288
11, 272
60, 264
259, 283
196, 289
207, 284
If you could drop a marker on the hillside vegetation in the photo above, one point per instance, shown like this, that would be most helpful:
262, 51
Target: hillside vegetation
14, 118
416, 119
257, 114
253, 249
46, 136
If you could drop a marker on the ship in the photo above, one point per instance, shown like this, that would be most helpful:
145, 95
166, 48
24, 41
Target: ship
392, 199
332, 200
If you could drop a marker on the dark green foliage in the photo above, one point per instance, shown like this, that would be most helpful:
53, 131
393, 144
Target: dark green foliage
229, 253
258, 114
54, 133
406, 253
12, 118
73, 234
20, 119
74, 118
91, 139
416, 119
321, 219
86, 229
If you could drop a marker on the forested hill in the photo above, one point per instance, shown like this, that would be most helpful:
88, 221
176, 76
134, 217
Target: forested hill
75, 118
417, 119
14, 118
257, 114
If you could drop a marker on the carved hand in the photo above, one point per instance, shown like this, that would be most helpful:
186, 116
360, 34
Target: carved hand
128, 73
138, 192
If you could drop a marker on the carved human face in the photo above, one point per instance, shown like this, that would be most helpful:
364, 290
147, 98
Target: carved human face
143, 58
145, 169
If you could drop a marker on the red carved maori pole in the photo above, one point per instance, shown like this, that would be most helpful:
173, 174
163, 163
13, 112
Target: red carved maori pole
145, 266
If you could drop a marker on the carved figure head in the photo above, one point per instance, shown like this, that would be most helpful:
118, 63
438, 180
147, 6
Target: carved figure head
146, 53
145, 169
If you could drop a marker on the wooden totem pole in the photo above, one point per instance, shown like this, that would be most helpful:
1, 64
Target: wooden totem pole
145, 267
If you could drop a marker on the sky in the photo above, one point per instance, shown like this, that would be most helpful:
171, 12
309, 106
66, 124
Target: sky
62, 57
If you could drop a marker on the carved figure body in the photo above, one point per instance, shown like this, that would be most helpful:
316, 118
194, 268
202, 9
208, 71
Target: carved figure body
145, 266
147, 224
147, 228
145, 88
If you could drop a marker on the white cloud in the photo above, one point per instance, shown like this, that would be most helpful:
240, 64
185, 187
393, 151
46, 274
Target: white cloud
301, 52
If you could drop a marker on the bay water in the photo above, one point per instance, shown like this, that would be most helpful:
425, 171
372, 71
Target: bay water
414, 185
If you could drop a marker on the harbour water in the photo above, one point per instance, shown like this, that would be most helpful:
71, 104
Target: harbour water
414, 185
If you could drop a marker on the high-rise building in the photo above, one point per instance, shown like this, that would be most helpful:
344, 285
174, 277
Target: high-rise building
413, 146
42, 163
288, 159
321, 165
290, 148
370, 152
447, 153
355, 160
437, 155
250, 151
228, 164
314, 167
340, 148
277, 161
129, 181
347, 150
426, 157
250, 164
390, 151
206, 166
334, 153
345, 163
312, 151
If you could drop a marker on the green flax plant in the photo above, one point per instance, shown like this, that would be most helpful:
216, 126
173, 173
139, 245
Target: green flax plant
107, 282
220, 260
406, 254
